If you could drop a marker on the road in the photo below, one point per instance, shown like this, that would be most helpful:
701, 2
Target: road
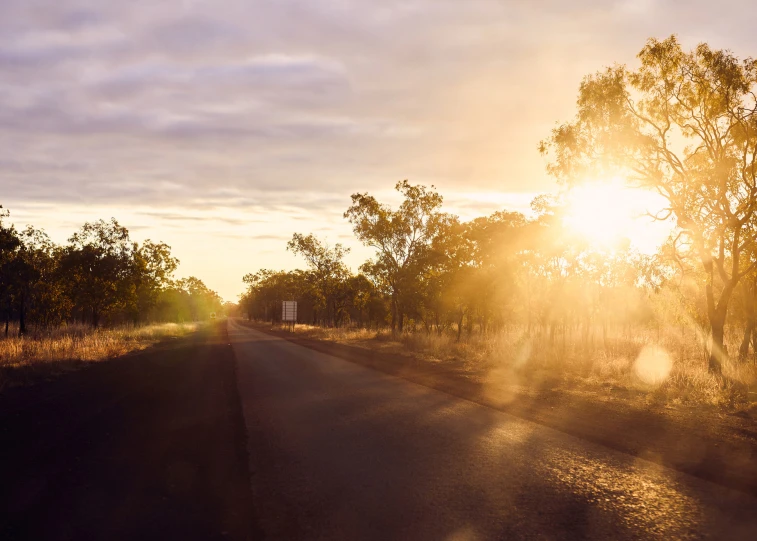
339, 451
240, 435
149, 446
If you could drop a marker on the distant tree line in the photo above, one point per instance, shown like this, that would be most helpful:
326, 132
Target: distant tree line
684, 125
434, 273
99, 277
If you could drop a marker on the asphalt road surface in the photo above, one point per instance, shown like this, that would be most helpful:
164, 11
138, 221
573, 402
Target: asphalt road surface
339, 451
149, 446
245, 436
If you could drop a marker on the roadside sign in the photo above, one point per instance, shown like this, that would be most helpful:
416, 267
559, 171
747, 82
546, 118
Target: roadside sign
289, 311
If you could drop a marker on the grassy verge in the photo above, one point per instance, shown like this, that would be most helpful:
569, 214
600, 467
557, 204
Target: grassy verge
654, 367
48, 353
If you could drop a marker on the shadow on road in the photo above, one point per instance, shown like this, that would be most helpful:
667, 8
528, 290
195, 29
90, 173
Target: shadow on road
149, 446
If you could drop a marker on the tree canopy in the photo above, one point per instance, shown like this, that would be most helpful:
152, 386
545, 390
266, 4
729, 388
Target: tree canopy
99, 276
685, 125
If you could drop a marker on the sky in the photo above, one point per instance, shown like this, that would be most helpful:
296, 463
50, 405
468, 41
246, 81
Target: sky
222, 127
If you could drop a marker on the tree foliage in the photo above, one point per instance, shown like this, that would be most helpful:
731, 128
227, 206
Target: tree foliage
402, 239
685, 125
99, 276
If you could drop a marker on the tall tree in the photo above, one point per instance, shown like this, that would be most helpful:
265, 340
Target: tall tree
329, 273
402, 239
9, 245
152, 267
97, 266
48, 302
30, 264
685, 125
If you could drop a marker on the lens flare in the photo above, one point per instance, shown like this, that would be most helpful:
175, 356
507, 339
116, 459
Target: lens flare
653, 365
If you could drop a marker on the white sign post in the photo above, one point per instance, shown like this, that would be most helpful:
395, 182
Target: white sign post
289, 312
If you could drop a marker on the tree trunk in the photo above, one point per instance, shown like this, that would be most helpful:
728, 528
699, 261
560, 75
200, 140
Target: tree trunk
744, 348
95, 318
716, 314
394, 312
21, 318
750, 337
717, 349
460, 325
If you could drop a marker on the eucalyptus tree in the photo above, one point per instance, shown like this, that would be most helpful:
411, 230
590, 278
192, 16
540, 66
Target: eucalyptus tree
683, 124
97, 265
402, 239
329, 274
9, 244
37, 286
152, 267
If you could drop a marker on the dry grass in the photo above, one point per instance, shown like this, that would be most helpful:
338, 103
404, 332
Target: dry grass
47, 353
665, 366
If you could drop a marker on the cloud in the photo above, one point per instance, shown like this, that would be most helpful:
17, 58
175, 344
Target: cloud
269, 237
288, 107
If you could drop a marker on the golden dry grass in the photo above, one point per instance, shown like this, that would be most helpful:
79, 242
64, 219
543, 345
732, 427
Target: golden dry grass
676, 372
46, 353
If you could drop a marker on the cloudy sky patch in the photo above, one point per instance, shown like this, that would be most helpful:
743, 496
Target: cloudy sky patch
224, 126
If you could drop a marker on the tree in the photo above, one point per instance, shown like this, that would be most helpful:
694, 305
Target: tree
152, 267
685, 125
99, 274
97, 266
367, 302
402, 239
495, 245
28, 269
9, 244
48, 302
266, 289
328, 271
201, 300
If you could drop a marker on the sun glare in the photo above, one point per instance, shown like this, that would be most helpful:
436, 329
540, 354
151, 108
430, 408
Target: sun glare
607, 212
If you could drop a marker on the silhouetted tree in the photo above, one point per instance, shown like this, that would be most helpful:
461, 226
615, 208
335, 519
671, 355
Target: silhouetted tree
96, 264
9, 244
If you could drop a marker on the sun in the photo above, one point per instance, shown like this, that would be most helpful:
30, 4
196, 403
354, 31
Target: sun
607, 212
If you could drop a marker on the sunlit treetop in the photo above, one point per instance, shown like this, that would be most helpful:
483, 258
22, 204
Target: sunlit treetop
683, 124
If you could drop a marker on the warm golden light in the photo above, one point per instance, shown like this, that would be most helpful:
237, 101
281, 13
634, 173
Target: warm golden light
607, 212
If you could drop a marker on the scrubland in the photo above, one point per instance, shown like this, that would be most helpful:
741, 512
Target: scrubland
46, 353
